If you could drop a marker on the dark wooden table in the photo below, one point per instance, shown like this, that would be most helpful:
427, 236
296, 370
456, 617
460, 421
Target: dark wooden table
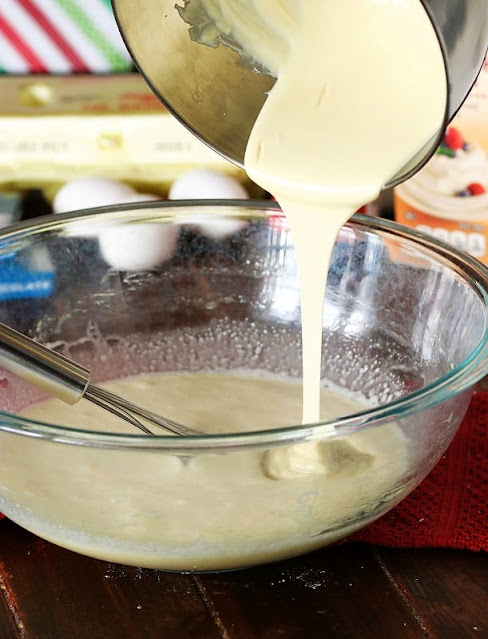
351, 591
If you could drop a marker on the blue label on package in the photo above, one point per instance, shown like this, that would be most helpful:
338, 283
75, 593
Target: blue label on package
17, 281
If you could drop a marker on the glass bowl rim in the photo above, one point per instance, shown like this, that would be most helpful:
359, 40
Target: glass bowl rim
459, 379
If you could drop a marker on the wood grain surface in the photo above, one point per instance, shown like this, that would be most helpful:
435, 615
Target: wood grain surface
349, 591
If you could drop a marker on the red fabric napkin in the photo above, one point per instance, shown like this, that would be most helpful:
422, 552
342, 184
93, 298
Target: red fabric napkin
449, 508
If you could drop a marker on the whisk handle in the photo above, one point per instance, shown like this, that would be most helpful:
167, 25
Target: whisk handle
42, 367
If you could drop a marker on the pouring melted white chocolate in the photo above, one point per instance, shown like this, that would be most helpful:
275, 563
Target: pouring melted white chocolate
360, 89
359, 92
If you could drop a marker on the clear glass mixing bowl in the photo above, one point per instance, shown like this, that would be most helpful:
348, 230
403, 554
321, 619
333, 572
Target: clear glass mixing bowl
405, 329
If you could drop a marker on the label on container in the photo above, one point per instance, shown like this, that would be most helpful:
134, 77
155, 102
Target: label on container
54, 129
144, 149
467, 235
448, 197
76, 94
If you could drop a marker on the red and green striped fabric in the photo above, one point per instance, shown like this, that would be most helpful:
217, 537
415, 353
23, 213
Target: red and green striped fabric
60, 36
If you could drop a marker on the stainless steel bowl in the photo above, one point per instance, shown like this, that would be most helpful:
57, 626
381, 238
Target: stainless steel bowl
199, 84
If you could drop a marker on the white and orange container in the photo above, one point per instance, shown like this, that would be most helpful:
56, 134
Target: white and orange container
448, 197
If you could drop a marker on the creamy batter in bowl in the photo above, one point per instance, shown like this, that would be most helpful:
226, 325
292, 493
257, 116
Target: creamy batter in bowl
405, 340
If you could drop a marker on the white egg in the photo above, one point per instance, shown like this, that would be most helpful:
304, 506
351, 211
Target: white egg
90, 191
201, 184
137, 247
204, 184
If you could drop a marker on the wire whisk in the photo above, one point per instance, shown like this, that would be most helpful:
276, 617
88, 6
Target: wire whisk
60, 377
